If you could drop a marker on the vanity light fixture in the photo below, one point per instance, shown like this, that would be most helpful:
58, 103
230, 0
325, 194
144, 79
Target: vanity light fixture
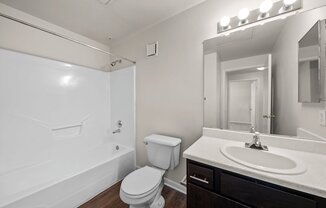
261, 68
268, 11
264, 9
67, 65
288, 5
243, 16
225, 22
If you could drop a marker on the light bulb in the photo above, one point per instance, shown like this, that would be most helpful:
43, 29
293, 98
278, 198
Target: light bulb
243, 14
289, 2
261, 68
225, 21
266, 6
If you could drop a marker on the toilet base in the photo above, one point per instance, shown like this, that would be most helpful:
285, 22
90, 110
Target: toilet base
156, 204
159, 203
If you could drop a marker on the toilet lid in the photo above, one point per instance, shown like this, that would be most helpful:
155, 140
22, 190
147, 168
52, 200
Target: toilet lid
141, 181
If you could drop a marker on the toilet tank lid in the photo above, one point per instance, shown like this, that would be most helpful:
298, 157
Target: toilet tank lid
163, 140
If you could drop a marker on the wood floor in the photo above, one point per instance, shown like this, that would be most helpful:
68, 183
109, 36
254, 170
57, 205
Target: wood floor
110, 199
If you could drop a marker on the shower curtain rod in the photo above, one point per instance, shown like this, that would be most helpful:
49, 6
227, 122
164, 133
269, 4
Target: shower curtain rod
62, 36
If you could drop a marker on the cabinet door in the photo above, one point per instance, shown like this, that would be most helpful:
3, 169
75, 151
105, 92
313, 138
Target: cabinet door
201, 176
200, 198
261, 196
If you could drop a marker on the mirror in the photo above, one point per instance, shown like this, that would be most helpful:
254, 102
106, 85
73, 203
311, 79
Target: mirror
255, 79
310, 66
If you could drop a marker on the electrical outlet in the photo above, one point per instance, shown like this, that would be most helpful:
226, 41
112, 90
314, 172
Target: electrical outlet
322, 117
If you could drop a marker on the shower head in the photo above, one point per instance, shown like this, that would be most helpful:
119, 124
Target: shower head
113, 63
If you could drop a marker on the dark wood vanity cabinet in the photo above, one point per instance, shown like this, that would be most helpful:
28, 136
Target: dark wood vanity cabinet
213, 187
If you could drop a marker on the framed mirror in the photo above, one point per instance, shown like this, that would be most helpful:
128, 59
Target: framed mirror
254, 79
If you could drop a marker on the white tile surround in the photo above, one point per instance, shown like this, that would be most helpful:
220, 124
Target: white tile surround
311, 153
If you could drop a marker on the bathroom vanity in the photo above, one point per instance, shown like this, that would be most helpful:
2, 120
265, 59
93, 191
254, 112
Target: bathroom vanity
214, 180
209, 186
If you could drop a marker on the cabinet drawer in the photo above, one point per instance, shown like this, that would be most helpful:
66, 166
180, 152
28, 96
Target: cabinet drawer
201, 176
201, 198
257, 195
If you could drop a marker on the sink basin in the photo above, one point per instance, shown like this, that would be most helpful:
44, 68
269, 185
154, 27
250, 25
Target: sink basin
267, 161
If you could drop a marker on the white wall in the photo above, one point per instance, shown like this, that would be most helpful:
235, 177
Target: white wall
16, 36
49, 109
170, 86
290, 113
122, 105
45, 91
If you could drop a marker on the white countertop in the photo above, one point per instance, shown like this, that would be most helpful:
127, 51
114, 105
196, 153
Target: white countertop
207, 150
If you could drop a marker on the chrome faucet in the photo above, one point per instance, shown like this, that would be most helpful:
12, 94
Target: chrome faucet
256, 143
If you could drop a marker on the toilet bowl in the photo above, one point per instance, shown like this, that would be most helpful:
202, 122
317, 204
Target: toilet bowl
143, 187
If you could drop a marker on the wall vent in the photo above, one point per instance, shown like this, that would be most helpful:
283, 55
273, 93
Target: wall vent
152, 49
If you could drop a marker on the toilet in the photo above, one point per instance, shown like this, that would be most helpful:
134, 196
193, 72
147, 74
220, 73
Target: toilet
142, 188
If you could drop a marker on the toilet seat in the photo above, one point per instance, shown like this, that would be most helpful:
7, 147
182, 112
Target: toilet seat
141, 182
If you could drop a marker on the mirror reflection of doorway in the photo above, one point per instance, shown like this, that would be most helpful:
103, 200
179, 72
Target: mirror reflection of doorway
223, 75
242, 104
246, 94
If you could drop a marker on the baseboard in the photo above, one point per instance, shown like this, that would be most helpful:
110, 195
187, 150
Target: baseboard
174, 185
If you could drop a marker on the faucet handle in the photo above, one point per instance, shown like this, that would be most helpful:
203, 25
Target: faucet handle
256, 133
256, 143
256, 139
119, 124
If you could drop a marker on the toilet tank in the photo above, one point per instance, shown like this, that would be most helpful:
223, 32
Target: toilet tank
163, 151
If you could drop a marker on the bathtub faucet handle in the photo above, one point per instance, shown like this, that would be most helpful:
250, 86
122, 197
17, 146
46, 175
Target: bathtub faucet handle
116, 131
119, 124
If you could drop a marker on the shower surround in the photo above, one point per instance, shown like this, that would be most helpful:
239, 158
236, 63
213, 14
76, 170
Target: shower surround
56, 121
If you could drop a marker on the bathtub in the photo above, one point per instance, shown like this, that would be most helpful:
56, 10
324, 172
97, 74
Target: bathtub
68, 181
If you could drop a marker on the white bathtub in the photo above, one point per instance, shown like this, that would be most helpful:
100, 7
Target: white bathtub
68, 181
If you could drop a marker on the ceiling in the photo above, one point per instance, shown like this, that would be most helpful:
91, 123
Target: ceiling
311, 38
250, 42
99, 21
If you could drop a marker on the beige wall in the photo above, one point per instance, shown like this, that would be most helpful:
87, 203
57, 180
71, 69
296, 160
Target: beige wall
170, 86
18, 37
290, 113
